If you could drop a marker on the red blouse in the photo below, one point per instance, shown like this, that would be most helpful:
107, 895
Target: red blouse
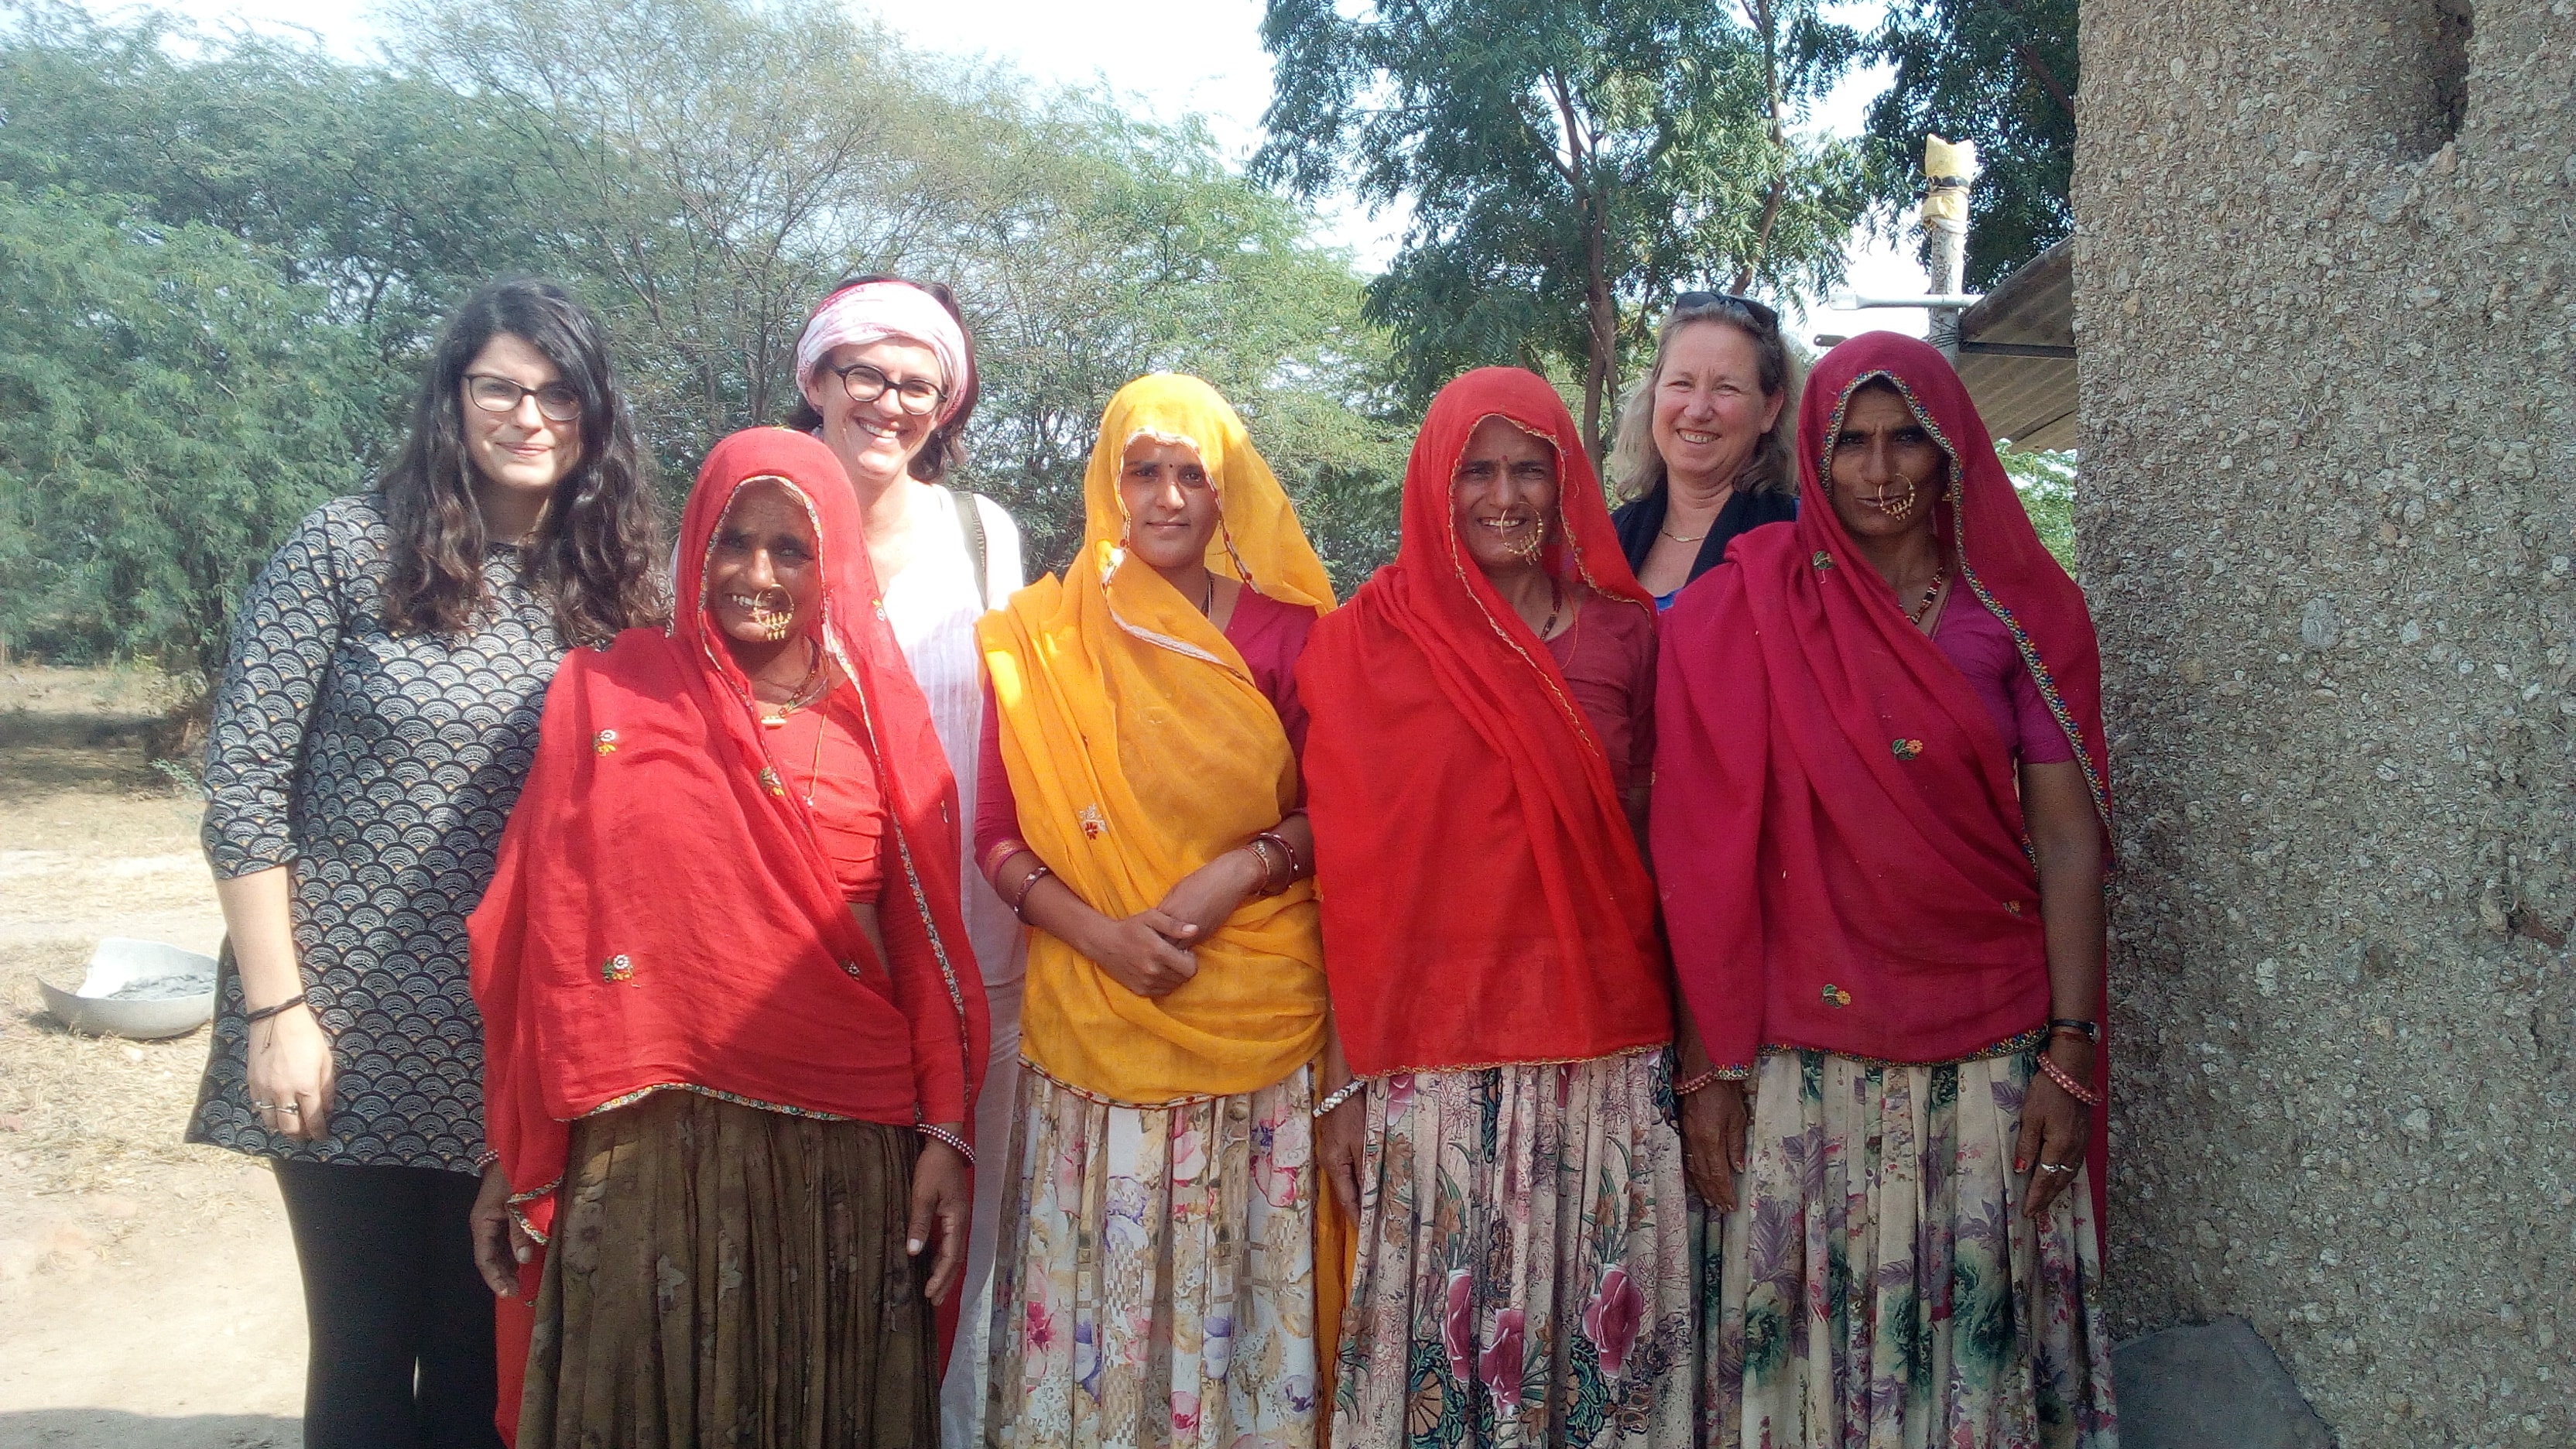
817, 755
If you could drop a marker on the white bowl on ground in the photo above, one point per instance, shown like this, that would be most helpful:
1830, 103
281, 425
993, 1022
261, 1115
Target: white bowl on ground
146, 990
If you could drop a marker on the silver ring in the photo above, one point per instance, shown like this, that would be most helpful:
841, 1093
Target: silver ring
291, 1107
2057, 1167
263, 1106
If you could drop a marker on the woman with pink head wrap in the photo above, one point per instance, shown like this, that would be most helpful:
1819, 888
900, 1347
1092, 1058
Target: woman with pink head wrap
885, 371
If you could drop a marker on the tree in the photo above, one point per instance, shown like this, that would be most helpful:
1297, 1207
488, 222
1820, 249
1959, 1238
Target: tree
2001, 73
169, 407
1567, 164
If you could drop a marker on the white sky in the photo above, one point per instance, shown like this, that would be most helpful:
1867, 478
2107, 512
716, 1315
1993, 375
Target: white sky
1166, 58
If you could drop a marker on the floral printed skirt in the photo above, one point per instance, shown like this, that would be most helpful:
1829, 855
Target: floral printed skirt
1879, 1285
1156, 1281
1524, 1253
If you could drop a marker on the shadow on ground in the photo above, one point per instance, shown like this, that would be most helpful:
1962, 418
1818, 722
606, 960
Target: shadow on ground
116, 1429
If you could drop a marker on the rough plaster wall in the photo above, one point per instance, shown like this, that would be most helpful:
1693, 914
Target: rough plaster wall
2327, 512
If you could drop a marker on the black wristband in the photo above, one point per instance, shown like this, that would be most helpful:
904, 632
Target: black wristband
2092, 1029
280, 1009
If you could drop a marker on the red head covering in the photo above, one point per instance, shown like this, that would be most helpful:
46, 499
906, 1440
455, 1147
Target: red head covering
1837, 822
1483, 898
663, 914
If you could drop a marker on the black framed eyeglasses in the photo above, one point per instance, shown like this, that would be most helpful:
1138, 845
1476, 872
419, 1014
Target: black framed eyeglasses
915, 395
1761, 312
557, 402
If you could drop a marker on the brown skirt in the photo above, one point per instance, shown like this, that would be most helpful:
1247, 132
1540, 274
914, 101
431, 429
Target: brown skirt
721, 1274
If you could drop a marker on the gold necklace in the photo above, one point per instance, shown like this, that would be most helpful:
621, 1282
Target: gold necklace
807, 690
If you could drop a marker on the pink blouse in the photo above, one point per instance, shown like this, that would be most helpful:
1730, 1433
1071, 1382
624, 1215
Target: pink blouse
1608, 658
1978, 643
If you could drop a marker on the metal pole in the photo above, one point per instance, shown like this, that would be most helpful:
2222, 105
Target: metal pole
1952, 169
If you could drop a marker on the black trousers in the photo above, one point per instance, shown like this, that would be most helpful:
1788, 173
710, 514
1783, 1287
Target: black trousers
401, 1324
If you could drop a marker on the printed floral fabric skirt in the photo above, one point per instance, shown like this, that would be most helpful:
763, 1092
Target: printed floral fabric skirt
1155, 1286
1524, 1262
1879, 1285
724, 1274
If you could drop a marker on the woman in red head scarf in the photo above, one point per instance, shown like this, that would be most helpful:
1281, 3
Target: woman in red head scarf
1880, 820
731, 1012
1476, 766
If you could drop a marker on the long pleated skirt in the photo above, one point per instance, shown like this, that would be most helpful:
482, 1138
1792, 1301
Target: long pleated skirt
1155, 1286
1523, 1276
721, 1274
1878, 1286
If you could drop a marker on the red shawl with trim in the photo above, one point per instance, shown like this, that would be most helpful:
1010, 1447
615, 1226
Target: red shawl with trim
664, 915
1483, 897
1837, 822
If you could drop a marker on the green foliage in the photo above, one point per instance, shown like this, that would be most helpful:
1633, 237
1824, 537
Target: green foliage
1567, 165
168, 406
2001, 73
2046, 482
251, 245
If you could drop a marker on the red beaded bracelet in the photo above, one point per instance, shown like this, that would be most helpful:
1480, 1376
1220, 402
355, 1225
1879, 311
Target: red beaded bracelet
2066, 1082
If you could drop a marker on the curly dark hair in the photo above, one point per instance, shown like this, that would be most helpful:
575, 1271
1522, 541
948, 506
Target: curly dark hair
945, 451
597, 552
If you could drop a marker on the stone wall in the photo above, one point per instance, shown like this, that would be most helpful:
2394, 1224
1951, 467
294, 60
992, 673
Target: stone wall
2326, 281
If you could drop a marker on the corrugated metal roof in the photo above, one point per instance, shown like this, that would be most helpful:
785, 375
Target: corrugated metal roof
2029, 399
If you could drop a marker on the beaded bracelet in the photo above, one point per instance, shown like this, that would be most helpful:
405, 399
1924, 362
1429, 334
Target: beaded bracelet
1342, 1094
2066, 1082
1287, 848
1259, 846
280, 1009
948, 1139
1684, 1089
1028, 883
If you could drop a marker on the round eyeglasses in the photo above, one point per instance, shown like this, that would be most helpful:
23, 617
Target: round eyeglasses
556, 401
915, 395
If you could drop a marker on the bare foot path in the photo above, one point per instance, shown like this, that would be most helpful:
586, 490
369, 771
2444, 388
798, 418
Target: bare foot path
148, 1294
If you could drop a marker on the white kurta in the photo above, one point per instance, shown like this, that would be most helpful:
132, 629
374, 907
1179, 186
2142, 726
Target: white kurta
933, 608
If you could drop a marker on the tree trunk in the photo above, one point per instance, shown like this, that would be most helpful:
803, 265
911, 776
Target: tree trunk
1601, 327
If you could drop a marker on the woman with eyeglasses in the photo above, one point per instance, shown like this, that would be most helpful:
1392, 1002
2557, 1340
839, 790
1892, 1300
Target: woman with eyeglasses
885, 372
1705, 450
371, 732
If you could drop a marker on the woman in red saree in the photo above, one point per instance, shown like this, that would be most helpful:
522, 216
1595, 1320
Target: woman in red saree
1476, 765
1880, 819
731, 1012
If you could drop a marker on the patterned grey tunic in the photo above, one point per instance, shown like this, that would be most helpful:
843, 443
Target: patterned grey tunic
381, 769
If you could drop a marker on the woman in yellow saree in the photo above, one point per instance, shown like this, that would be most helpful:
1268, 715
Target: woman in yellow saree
1159, 1278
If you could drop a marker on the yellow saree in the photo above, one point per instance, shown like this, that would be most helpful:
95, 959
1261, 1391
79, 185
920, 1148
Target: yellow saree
1139, 748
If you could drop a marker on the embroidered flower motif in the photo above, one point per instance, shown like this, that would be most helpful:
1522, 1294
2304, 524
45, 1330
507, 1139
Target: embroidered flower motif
620, 967
1216, 1347
1299, 1392
1094, 824
1905, 749
769, 781
1822, 560
1502, 1361
1457, 1322
1086, 1359
1836, 996
1189, 1155
1399, 1096
604, 742
1612, 1318
2013, 906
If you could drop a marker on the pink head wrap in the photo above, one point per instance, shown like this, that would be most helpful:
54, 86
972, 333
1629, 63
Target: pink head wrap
874, 311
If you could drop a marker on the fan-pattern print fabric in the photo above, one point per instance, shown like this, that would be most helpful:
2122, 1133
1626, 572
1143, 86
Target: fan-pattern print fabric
1524, 1263
380, 769
1880, 1285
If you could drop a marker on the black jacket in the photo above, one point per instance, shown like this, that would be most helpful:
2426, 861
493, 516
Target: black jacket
1639, 522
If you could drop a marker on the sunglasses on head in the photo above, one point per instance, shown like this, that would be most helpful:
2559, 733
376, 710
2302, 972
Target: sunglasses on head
1760, 312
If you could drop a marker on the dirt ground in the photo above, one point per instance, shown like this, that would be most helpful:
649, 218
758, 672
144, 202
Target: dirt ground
148, 1293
